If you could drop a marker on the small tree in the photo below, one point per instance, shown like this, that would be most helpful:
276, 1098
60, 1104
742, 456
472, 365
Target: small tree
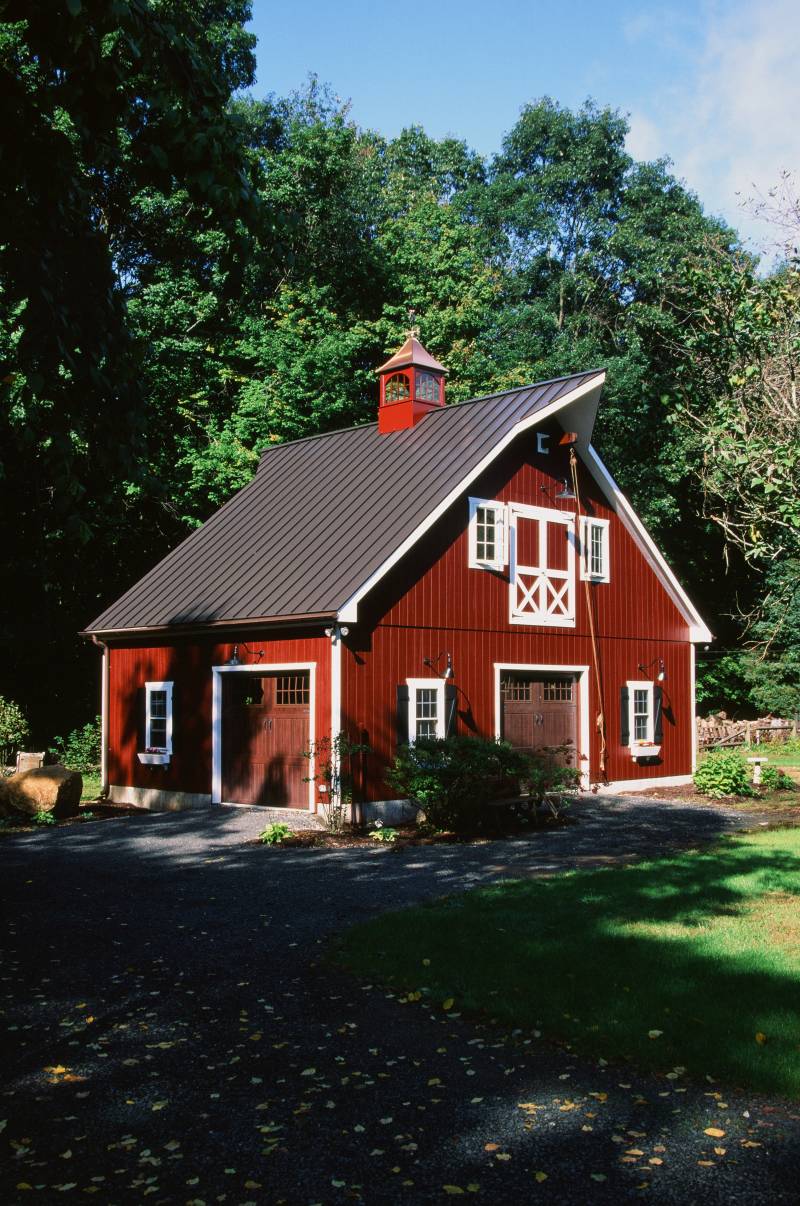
13, 729
80, 750
333, 769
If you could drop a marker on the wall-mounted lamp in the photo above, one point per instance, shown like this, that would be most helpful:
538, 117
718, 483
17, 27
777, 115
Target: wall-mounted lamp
661, 676
565, 491
433, 664
233, 660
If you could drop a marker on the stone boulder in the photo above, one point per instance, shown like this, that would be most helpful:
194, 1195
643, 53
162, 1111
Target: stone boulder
45, 789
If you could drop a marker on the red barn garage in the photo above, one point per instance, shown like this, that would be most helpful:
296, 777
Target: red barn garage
469, 568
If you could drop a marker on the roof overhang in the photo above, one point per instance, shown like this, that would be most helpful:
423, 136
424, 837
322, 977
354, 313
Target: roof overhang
210, 627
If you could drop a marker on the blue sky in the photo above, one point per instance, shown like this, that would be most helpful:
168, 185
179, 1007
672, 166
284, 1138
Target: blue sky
713, 84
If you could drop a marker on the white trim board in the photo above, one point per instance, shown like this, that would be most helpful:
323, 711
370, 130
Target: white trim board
216, 718
583, 422
581, 674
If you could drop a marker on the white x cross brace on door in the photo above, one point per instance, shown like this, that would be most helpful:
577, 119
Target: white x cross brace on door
541, 593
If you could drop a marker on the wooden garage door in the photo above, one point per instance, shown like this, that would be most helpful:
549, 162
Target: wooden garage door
540, 712
265, 729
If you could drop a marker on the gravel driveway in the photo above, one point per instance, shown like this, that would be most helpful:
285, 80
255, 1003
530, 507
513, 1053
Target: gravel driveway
172, 1033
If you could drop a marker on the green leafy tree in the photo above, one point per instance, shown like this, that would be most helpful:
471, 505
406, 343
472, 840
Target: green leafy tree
115, 119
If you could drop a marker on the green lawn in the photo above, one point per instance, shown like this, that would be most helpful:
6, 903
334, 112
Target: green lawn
91, 786
690, 962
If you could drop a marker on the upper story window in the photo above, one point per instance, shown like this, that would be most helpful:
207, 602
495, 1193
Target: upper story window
426, 717
595, 563
397, 388
427, 387
488, 544
158, 717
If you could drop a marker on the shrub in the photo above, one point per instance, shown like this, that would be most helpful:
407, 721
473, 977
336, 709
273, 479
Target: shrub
80, 751
451, 779
384, 833
275, 833
43, 818
774, 779
13, 729
723, 773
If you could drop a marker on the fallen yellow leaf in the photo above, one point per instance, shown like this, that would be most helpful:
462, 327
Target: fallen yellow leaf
761, 1037
452, 1189
447, 1005
540, 1176
714, 1132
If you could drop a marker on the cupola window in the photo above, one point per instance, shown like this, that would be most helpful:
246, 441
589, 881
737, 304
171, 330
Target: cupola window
397, 388
427, 387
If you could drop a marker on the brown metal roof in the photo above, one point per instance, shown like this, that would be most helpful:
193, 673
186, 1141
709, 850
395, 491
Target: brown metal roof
320, 517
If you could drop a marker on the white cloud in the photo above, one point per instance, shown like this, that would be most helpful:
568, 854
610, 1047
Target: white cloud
731, 123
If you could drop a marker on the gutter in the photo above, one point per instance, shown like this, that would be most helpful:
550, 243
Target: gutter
104, 677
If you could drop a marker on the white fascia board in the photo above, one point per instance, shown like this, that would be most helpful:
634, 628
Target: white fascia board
588, 398
698, 630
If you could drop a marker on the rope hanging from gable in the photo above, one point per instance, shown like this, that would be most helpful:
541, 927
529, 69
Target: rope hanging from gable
601, 718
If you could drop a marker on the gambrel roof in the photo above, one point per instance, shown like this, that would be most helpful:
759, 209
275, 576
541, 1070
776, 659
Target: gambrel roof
325, 517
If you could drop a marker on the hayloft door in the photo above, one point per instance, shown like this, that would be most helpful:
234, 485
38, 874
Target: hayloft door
542, 563
541, 713
265, 729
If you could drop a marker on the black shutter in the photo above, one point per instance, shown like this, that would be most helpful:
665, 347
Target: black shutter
624, 727
658, 715
449, 710
141, 718
402, 713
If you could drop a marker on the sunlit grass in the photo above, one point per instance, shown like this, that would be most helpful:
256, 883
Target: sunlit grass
91, 786
701, 951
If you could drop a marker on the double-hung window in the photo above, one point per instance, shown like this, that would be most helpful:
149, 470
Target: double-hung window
426, 716
158, 718
488, 543
595, 563
641, 713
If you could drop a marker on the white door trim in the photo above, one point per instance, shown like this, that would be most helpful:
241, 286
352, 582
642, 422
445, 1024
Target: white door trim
216, 717
581, 675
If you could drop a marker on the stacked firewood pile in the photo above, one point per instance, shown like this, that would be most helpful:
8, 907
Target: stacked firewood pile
720, 730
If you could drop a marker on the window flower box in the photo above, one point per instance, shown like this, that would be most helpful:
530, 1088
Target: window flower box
154, 758
644, 749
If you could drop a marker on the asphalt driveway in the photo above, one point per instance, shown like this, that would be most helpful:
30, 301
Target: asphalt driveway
171, 1032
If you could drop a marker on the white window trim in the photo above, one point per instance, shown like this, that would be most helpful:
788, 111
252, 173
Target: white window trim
501, 530
415, 684
149, 688
587, 523
566, 519
651, 716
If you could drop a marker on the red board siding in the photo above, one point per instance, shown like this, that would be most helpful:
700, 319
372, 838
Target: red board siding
188, 664
466, 612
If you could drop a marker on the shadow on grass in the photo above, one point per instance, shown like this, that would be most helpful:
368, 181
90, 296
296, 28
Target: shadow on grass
675, 963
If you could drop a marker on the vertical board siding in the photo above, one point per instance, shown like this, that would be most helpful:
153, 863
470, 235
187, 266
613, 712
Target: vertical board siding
188, 664
432, 603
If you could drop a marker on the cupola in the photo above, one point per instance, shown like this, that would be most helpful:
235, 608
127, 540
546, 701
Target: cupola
412, 385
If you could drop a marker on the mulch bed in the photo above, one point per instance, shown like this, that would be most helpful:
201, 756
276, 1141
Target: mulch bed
410, 835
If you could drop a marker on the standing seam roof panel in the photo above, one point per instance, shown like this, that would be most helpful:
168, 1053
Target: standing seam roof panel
321, 515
